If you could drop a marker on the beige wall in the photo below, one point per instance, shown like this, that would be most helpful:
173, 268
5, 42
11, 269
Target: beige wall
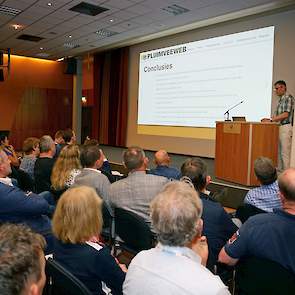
284, 68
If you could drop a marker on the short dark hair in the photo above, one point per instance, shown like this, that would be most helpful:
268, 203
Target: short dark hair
20, 252
89, 155
67, 135
265, 170
196, 170
287, 184
133, 157
281, 82
3, 134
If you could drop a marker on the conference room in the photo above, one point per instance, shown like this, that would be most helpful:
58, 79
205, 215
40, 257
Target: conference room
165, 81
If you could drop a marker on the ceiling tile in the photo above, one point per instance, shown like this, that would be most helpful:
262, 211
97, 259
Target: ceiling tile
55, 3
118, 3
139, 9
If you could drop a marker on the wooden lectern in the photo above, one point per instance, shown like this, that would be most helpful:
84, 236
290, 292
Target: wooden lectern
238, 144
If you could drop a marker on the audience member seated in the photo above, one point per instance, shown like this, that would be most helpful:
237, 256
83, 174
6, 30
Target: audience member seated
177, 264
162, 161
8, 149
266, 196
59, 142
91, 160
66, 168
135, 192
218, 226
271, 235
31, 152
18, 207
69, 136
77, 223
44, 164
106, 168
22, 262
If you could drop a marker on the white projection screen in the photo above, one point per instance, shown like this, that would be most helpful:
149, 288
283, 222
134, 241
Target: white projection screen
194, 84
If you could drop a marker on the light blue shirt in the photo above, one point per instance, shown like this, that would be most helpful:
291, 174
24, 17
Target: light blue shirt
171, 270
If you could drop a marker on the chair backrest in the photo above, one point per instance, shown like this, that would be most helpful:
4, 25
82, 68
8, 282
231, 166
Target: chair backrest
108, 230
257, 276
59, 281
246, 210
24, 180
133, 230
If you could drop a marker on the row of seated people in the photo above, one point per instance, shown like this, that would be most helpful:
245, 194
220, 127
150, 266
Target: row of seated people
175, 266
137, 191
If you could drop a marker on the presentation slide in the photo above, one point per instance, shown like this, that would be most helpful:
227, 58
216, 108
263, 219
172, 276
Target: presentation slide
194, 84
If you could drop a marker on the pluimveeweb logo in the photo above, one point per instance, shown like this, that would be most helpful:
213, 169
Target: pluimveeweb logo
161, 53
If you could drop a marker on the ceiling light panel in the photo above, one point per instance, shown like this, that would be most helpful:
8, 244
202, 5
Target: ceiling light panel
175, 9
105, 33
9, 10
42, 54
71, 45
18, 4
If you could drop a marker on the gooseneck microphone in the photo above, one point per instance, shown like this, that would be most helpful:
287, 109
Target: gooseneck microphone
227, 112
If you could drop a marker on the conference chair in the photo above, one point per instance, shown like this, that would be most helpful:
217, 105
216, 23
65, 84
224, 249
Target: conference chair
24, 180
257, 276
59, 281
247, 210
133, 232
108, 229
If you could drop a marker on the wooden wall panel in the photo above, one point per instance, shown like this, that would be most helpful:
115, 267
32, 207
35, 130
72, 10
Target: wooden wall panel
41, 111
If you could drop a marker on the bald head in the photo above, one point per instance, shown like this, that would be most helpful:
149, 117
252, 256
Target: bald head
287, 184
162, 158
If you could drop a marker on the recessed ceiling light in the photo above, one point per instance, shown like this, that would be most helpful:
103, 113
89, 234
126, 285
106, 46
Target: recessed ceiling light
70, 36
49, 4
16, 26
111, 20
41, 48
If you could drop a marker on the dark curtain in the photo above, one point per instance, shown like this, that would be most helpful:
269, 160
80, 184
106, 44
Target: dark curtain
109, 117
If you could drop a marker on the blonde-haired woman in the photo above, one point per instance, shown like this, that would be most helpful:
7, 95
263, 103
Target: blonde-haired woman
76, 222
66, 168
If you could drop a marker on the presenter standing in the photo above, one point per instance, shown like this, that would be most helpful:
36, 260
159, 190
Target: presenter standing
283, 115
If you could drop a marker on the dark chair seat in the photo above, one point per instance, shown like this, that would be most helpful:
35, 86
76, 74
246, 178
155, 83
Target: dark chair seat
133, 230
61, 282
256, 276
246, 210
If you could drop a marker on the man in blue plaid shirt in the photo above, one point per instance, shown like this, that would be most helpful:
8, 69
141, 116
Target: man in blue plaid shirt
265, 197
283, 115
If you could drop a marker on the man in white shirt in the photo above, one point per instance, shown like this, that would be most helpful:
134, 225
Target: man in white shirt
176, 265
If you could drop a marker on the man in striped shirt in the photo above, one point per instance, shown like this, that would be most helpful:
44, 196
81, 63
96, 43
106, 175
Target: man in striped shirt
265, 197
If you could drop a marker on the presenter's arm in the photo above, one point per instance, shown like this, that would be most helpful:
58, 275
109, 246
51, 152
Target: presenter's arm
278, 118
